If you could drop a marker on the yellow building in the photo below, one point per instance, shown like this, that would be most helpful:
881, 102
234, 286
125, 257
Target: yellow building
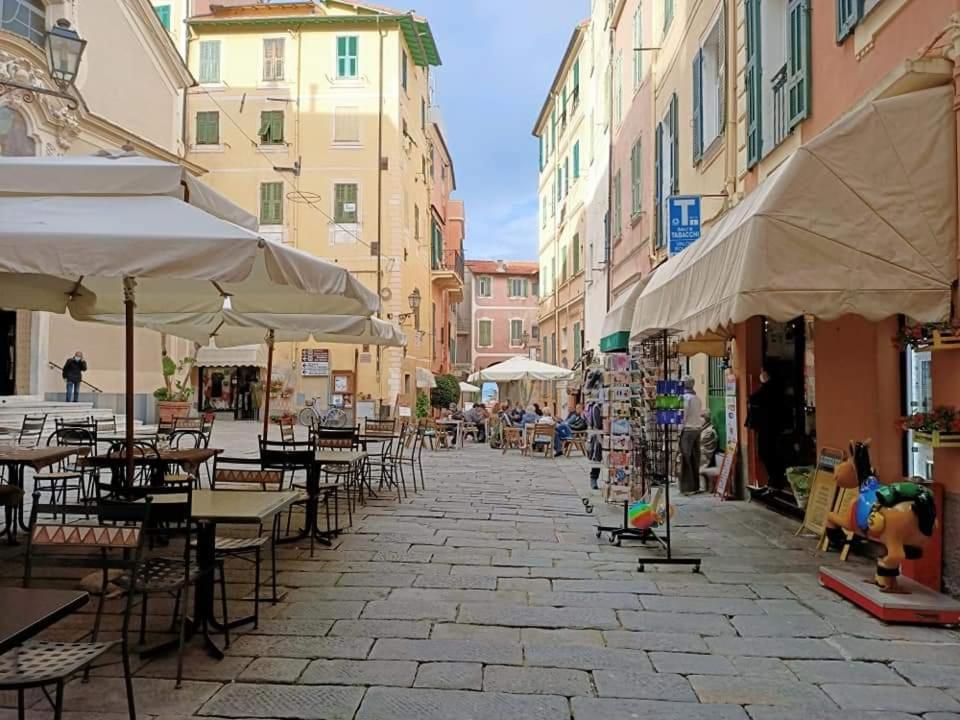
563, 130
315, 116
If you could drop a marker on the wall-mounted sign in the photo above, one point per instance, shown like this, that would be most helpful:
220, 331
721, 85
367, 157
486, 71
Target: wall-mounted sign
684, 214
314, 362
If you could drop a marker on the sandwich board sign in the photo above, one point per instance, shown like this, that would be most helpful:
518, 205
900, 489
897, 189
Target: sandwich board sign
683, 213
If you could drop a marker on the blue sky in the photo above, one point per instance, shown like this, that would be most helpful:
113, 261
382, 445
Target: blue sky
499, 57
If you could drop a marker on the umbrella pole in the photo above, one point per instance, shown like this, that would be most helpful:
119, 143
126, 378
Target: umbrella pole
129, 296
269, 382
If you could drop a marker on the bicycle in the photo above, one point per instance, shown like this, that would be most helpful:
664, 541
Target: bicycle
311, 416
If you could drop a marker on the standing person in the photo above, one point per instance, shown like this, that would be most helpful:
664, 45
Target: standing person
73, 370
763, 417
690, 439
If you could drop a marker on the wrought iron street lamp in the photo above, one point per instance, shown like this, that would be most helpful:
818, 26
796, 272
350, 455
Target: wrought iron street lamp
413, 299
64, 49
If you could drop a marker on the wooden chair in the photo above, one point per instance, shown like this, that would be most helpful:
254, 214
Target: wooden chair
380, 427
513, 439
544, 434
578, 440
288, 431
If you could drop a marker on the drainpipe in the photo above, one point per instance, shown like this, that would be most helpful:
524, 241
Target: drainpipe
380, 200
608, 238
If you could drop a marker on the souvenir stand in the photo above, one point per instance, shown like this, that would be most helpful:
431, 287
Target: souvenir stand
590, 391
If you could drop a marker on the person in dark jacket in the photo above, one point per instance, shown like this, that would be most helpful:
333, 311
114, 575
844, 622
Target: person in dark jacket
763, 417
73, 370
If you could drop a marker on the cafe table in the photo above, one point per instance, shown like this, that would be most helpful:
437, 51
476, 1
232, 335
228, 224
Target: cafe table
16, 459
457, 427
210, 508
30, 611
190, 459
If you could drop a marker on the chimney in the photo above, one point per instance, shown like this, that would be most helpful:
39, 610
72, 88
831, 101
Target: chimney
501, 266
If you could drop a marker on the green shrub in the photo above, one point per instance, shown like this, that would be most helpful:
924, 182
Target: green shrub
447, 391
423, 405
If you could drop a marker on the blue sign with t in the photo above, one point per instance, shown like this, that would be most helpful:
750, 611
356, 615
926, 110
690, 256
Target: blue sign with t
683, 212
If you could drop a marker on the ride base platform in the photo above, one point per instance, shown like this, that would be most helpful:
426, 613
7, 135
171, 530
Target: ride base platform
917, 604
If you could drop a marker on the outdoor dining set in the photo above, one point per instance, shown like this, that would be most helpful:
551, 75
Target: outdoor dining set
159, 532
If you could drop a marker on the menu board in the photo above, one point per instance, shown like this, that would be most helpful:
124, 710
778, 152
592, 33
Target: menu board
822, 492
314, 362
730, 410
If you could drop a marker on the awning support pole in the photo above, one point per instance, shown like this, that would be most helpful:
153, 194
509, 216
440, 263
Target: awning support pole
129, 303
267, 385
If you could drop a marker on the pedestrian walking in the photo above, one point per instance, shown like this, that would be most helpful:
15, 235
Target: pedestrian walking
73, 370
690, 439
763, 417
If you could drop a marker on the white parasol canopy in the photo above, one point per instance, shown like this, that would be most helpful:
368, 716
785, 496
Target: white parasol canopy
520, 368
468, 388
861, 220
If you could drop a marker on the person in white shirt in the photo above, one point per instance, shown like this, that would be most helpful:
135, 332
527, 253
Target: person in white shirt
690, 439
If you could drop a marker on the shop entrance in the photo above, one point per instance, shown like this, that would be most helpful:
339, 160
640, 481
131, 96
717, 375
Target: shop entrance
227, 390
788, 358
8, 352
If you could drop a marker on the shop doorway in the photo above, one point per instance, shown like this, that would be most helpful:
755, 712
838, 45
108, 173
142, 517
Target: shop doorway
8, 352
227, 390
919, 399
788, 358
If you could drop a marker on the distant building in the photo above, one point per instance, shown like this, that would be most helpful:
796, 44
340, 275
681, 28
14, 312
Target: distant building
504, 297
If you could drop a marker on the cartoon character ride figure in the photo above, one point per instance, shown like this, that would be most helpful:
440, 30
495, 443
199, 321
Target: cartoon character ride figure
900, 516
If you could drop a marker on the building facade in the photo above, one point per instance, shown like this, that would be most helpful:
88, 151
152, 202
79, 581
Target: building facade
563, 132
316, 117
128, 96
447, 230
504, 299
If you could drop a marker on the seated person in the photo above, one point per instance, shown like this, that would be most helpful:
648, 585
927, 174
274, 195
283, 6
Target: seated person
574, 422
517, 413
709, 440
529, 417
545, 419
477, 415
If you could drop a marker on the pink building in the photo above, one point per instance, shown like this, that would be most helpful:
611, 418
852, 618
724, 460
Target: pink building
504, 300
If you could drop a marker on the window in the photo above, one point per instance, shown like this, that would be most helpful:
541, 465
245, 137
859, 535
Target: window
798, 62
403, 69
26, 18
553, 199
535, 332
577, 251
436, 245
484, 287
617, 206
273, 59
208, 128
209, 61
535, 286
850, 13
667, 15
406, 383
433, 161
618, 87
563, 264
345, 202
271, 203
485, 333
637, 43
271, 127
516, 333
553, 128
347, 65
577, 342
517, 287
667, 181
163, 15
566, 177
709, 88
553, 347
346, 125
576, 160
542, 152
576, 83
636, 178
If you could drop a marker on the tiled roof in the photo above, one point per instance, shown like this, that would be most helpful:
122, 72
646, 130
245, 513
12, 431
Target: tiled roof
509, 267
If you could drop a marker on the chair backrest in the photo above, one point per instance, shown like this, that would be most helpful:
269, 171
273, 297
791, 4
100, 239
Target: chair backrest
288, 431
117, 455
206, 423
187, 423
81, 438
244, 474
286, 456
187, 439
172, 504
335, 438
31, 430
385, 427
107, 425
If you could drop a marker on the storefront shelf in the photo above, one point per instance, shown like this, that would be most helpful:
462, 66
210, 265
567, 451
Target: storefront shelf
940, 341
937, 439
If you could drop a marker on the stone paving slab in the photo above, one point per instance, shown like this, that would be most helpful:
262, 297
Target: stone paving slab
359, 672
767, 712
585, 657
450, 676
448, 651
643, 686
878, 697
691, 623
844, 671
486, 633
417, 704
929, 675
314, 702
785, 626
691, 664
707, 605
364, 628
678, 642
784, 648
523, 616
274, 670
611, 709
757, 691
409, 610
536, 681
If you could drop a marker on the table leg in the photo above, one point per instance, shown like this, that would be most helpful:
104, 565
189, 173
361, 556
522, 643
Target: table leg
203, 598
21, 482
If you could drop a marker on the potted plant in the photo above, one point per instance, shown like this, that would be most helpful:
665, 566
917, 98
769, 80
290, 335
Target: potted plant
173, 398
281, 418
940, 428
423, 405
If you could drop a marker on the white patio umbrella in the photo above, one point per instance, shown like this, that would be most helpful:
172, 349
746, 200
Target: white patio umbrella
106, 235
523, 370
467, 388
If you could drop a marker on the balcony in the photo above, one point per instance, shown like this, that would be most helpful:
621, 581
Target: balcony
781, 126
447, 272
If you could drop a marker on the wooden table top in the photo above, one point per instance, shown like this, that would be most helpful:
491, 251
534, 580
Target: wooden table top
36, 457
168, 455
235, 506
338, 456
28, 611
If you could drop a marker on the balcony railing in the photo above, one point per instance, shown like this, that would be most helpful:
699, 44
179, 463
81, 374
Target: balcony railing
451, 260
781, 123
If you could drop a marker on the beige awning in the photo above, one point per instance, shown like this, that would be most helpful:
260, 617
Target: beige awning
618, 321
240, 356
425, 378
861, 220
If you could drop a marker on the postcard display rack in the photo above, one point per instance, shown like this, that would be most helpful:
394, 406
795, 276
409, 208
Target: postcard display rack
654, 413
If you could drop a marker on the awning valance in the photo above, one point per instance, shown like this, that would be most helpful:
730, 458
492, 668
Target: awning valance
240, 356
861, 220
619, 318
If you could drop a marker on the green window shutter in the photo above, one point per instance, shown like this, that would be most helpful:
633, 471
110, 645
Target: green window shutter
208, 128
667, 15
347, 64
658, 175
566, 176
696, 112
576, 160
576, 253
273, 52
753, 79
353, 54
486, 331
636, 178
540, 138
553, 128
576, 82
271, 203
798, 62
675, 146
849, 13
163, 15
564, 99
271, 127
576, 341
345, 203
209, 61
617, 206
403, 69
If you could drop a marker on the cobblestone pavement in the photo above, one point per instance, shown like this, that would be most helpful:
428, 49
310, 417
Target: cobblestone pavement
488, 595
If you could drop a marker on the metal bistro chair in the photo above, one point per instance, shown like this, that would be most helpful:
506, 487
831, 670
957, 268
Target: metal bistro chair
343, 440
408, 451
186, 439
116, 542
147, 466
383, 463
379, 427
246, 474
70, 473
31, 430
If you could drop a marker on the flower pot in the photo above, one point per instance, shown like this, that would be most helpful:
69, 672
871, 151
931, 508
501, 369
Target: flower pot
168, 410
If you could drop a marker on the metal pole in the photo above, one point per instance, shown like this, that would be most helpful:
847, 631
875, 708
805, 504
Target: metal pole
129, 303
380, 206
269, 382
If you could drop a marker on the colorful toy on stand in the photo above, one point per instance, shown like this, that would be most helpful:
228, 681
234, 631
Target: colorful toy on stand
643, 516
900, 516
